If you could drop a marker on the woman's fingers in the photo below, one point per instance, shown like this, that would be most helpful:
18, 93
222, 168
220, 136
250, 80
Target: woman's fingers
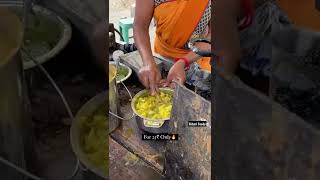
153, 88
150, 78
174, 78
172, 82
172, 85
169, 80
144, 79
154, 80
180, 80
162, 83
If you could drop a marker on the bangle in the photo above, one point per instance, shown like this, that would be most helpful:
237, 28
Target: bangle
186, 62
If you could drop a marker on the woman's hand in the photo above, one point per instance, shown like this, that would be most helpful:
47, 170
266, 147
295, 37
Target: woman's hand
203, 46
150, 77
176, 73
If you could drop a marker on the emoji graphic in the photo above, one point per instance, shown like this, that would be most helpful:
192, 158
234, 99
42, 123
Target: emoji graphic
173, 137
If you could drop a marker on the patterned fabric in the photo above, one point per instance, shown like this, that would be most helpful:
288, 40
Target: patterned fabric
256, 38
203, 22
158, 2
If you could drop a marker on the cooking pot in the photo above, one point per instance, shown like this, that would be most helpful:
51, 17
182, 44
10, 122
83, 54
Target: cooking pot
12, 128
76, 134
114, 118
150, 125
113, 98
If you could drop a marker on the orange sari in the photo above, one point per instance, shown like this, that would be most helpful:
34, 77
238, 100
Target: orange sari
176, 21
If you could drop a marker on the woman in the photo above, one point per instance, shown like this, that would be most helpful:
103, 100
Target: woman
177, 22
251, 43
236, 41
226, 32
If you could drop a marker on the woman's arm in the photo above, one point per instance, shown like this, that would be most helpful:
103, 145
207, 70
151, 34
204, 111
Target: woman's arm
142, 20
149, 74
225, 33
193, 57
177, 71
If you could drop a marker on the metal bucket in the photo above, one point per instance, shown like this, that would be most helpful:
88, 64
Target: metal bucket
113, 98
149, 125
87, 109
114, 118
12, 121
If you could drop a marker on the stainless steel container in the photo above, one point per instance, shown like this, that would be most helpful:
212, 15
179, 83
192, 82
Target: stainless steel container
150, 125
12, 129
114, 122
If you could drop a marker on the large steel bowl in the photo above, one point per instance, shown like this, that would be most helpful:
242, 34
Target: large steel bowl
142, 93
124, 66
48, 17
75, 135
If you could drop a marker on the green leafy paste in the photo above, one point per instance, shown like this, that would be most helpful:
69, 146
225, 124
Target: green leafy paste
122, 73
41, 36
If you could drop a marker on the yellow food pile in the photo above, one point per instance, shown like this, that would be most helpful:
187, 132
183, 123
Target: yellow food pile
155, 107
94, 139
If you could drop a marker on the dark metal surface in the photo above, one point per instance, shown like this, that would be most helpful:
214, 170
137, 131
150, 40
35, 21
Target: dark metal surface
129, 136
163, 129
126, 165
296, 72
255, 138
190, 156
